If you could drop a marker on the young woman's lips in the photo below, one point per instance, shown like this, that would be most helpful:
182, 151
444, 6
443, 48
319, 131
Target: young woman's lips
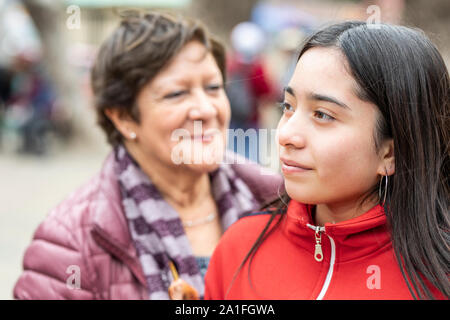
288, 166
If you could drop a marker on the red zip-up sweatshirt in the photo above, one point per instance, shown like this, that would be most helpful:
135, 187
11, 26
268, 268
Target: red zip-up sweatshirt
353, 259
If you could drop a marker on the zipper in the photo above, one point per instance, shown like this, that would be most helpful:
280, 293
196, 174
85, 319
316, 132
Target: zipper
318, 256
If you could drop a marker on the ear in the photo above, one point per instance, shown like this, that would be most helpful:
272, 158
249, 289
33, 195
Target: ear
123, 123
387, 158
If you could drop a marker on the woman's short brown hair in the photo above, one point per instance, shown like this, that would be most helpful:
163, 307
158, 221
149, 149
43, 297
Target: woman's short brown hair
134, 54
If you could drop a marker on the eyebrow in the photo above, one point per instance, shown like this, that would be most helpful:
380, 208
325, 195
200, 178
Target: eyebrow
318, 97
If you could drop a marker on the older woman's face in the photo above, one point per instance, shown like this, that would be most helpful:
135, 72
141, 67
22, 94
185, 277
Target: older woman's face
184, 111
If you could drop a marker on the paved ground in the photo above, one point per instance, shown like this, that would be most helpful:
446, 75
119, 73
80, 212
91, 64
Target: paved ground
29, 188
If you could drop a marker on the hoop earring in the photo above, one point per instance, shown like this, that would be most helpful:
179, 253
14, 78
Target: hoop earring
385, 189
280, 197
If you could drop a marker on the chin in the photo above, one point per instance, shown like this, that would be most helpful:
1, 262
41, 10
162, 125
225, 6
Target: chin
300, 193
203, 167
209, 161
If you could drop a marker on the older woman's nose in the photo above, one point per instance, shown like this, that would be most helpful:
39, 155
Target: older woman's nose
202, 108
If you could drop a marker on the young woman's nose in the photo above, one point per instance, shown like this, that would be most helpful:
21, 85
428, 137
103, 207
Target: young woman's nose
291, 132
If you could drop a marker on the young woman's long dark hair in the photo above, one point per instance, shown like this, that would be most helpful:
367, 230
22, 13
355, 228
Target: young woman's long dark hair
400, 71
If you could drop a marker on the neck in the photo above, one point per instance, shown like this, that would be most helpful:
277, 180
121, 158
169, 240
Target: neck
179, 186
342, 211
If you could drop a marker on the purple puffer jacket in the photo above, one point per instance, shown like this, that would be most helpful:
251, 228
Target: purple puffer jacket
83, 249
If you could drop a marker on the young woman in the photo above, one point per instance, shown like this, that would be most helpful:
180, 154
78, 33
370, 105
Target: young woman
364, 149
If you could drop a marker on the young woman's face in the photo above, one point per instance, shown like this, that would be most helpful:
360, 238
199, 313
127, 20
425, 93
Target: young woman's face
186, 97
326, 134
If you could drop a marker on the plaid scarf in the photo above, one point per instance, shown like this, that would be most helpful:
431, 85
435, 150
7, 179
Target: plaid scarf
156, 228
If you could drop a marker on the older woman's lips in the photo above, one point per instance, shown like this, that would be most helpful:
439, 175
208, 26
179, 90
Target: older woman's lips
288, 167
207, 136
203, 138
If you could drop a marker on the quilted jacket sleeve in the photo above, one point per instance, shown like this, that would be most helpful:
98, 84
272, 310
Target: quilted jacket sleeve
53, 264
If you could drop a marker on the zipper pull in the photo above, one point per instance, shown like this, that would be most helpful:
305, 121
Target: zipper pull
318, 255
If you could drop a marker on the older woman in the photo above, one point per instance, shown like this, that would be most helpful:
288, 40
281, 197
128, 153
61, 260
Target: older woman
148, 216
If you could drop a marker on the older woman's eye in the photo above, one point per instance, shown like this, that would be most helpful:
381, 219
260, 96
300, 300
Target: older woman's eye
175, 94
214, 87
323, 116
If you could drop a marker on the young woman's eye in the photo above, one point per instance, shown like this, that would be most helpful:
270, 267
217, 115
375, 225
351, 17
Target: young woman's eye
323, 116
175, 94
286, 107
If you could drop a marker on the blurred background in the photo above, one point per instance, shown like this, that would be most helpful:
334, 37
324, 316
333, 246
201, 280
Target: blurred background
49, 140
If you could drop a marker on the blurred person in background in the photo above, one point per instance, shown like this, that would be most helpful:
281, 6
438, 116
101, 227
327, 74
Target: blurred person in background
145, 221
5, 84
283, 62
5, 93
287, 42
248, 87
32, 100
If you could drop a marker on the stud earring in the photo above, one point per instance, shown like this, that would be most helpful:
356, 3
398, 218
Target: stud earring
133, 135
